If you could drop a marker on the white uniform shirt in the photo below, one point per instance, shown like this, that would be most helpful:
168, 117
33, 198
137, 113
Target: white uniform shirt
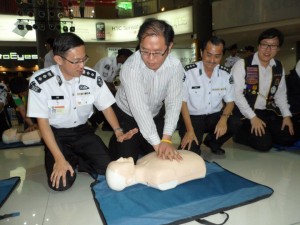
265, 79
3, 94
143, 92
66, 103
49, 61
205, 95
108, 68
231, 60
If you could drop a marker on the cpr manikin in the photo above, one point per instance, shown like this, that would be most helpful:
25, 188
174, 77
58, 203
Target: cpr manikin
155, 172
11, 136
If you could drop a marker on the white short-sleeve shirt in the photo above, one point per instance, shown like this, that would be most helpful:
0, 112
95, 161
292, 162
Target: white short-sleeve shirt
205, 95
66, 103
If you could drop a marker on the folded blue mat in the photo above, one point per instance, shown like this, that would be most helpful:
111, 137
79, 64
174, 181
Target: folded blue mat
6, 188
142, 205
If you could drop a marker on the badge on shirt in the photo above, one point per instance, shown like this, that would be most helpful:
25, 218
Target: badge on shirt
57, 105
83, 87
34, 87
196, 87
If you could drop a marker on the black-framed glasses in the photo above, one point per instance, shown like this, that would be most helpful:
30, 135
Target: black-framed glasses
84, 60
264, 46
154, 54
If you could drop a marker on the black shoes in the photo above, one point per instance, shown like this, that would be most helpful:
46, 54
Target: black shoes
215, 149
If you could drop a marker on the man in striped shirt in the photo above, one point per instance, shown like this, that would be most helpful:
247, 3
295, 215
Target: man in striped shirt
150, 95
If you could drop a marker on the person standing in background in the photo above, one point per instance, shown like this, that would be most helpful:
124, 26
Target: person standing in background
4, 120
49, 60
233, 57
109, 67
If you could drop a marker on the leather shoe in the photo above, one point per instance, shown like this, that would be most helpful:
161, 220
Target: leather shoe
214, 149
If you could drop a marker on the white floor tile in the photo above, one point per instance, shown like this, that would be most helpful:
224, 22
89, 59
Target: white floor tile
39, 205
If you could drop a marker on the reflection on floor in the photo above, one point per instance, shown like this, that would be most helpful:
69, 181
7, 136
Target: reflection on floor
39, 205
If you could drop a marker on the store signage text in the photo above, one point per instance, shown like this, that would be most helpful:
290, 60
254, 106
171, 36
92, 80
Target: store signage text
18, 57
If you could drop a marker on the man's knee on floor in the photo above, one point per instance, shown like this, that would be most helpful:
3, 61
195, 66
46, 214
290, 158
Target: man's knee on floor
69, 182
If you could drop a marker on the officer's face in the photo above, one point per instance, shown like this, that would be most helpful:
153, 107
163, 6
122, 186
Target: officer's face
154, 51
267, 50
72, 63
212, 56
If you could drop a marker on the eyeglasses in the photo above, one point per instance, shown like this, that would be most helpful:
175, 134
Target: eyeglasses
84, 60
264, 46
154, 54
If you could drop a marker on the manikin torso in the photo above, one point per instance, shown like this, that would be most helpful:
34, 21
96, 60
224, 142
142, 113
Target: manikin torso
154, 172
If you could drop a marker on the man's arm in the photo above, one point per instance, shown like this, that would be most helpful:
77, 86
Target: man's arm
221, 127
61, 166
189, 136
31, 125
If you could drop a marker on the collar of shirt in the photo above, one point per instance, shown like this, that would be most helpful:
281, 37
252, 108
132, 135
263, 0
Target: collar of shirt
256, 61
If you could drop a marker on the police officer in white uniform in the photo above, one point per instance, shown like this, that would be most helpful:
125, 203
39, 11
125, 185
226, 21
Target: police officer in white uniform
61, 97
109, 67
206, 86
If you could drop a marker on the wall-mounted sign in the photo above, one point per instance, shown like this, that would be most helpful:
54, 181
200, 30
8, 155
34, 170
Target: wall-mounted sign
97, 30
14, 56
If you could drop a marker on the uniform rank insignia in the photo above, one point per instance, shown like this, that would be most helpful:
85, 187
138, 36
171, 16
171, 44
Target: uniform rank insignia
225, 68
83, 87
34, 87
99, 81
59, 80
190, 66
44, 76
89, 73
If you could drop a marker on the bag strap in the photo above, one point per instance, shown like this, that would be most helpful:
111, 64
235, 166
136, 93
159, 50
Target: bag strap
206, 222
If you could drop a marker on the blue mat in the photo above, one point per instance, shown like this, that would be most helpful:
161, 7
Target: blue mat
4, 146
294, 147
6, 188
141, 205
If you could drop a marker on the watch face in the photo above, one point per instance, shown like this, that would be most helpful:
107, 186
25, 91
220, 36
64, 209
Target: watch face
100, 31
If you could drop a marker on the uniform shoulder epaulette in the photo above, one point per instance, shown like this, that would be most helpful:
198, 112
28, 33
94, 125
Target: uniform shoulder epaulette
190, 66
225, 68
89, 73
44, 76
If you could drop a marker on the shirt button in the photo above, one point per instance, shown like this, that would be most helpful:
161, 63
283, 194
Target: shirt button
74, 108
75, 121
73, 94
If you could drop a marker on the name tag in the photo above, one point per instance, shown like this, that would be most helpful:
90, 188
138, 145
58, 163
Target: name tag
196, 87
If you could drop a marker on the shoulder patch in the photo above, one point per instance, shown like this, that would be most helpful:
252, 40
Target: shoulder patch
89, 73
34, 87
99, 81
44, 76
225, 68
190, 66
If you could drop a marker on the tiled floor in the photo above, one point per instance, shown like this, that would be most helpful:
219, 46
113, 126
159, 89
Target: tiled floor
39, 205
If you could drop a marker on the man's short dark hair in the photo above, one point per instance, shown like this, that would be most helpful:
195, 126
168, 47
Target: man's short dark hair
271, 33
152, 26
125, 52
66, 41
215, 40
249, 48
18, 85
50, 41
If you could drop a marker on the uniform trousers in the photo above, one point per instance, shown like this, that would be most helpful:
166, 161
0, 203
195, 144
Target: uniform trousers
207, 124
137, 146
82, 148
273, 133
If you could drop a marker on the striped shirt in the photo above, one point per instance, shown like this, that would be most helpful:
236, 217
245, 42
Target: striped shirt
143, 92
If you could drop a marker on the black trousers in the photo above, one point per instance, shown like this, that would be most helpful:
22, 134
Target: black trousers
82, 148
206, 124
137, 146
273, 133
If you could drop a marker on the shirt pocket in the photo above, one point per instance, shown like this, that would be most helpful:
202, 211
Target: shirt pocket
84, 104
57, 108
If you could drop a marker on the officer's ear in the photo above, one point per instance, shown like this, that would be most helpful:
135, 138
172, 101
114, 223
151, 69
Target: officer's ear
58, 59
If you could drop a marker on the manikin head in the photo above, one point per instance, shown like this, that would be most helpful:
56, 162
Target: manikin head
120, 173
11, 136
